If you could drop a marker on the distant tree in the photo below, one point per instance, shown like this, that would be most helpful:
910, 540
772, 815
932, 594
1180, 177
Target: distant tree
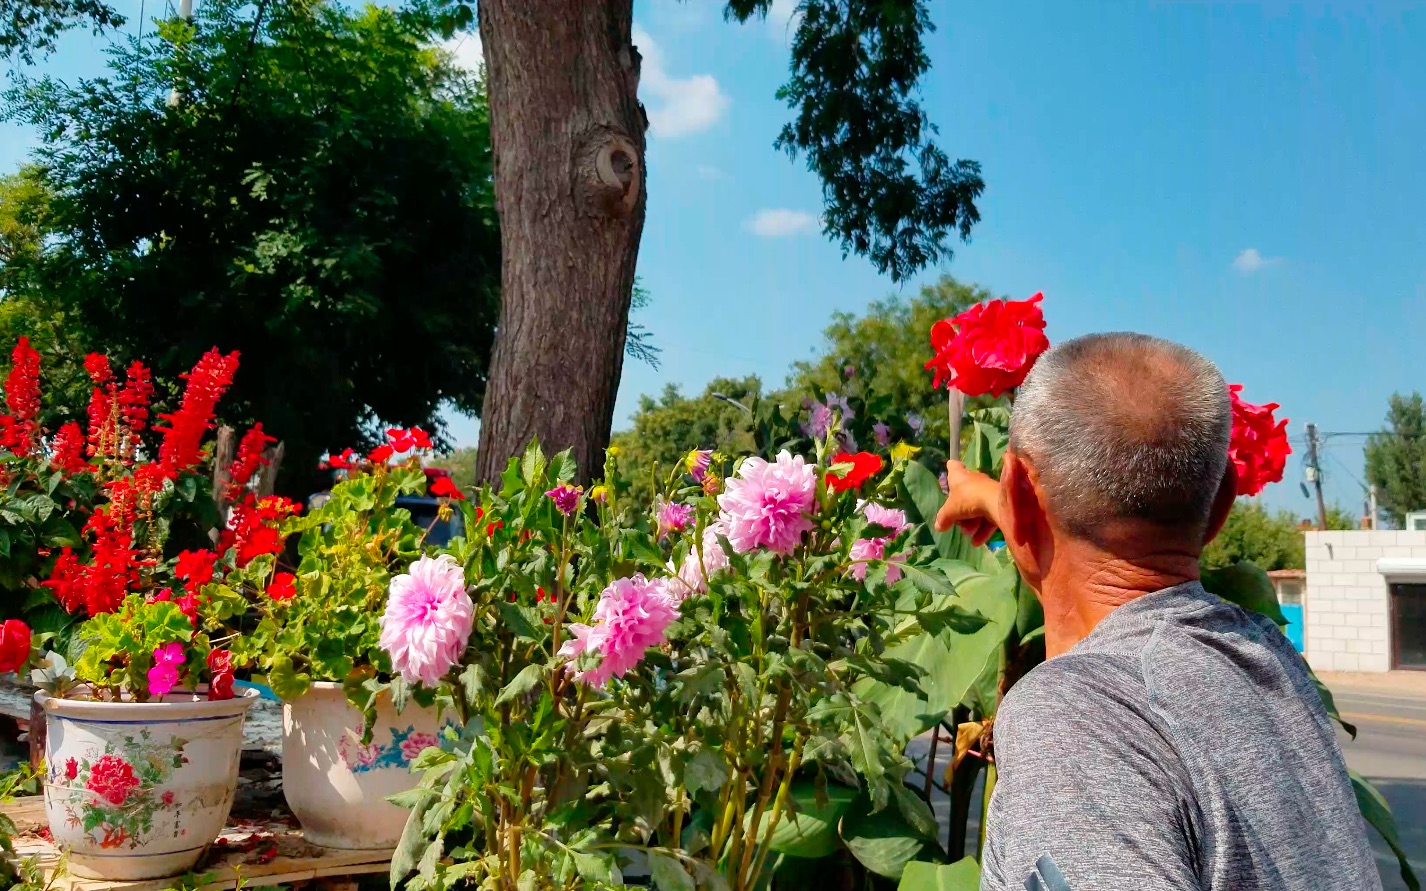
319, 199
1271, 540
666, 429
881, 354
30, 27
1396, 458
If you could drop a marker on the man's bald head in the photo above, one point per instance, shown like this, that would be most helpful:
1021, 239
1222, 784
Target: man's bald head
1124, 426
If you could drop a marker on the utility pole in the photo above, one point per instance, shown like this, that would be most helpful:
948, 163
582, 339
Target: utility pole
185, 12
1314, 475
1371, 505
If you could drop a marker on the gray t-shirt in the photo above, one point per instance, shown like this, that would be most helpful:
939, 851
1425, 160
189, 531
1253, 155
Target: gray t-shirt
1181, 745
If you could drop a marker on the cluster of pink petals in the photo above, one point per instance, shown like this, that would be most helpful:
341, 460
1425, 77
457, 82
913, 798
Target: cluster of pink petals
633, 614
875, 548
698, 462
693, 574
673, 517
428, 619
167, 660
766, 504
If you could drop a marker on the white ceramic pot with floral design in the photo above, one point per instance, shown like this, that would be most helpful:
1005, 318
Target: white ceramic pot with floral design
338, 787
139, 790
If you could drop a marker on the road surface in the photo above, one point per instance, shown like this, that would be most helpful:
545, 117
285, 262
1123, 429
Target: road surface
1390, 750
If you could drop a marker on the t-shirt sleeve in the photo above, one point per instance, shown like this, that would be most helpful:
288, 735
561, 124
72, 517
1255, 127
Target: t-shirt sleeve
1090, 795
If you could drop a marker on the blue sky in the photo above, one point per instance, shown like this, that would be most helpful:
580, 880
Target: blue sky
1241, 177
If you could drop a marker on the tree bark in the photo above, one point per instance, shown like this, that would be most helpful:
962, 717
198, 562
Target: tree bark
567, 132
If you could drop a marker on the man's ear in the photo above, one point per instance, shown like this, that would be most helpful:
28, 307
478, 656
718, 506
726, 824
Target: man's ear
1026, 521
1222, 503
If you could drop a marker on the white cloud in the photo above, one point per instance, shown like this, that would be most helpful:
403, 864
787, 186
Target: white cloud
783, 17
677, 106
775, 222
1250, 261
465, 50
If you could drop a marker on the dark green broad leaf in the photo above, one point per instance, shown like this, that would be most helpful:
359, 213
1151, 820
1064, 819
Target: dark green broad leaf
951, 661
1330, 704
885, 841
1377, 813
706, 770
963, 875
989, 436
812, 830
526, 680
1247, 586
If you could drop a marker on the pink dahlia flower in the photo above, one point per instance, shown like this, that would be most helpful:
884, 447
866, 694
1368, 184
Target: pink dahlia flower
565, 497
698, 462
693, 574
673, 517
428, 619
633, 614
766, 504
875, 548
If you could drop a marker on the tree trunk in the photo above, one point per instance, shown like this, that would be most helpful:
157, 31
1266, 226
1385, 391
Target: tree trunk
568, 137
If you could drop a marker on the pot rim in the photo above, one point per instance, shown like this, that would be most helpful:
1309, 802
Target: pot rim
175, 707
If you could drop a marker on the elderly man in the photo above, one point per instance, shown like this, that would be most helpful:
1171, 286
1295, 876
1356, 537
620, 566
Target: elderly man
1171, 740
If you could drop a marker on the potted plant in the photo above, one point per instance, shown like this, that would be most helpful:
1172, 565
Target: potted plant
143, 735
346, 745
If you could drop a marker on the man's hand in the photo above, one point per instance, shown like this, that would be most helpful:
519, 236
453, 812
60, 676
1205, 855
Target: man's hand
972, 503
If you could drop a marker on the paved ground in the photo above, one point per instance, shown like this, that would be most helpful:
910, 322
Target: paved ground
1390, 750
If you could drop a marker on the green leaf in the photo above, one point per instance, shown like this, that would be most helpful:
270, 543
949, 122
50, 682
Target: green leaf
528, 679
1377, 813
522, 620
963, 875
705, 770
812, 830
286, 681
591, 867
1330, 704
668, 874
532, 464
412, 843
1246, 585
884, 842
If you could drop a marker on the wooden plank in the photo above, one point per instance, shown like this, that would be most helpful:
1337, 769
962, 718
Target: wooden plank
237, 857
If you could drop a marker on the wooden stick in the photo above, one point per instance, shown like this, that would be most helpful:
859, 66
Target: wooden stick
956, 406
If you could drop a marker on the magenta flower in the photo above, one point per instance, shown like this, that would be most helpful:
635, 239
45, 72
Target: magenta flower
673, 517
428, 619
766, 504
698, 462
633, 614
875, 548
566, 498
693, 574
167, 659
882, 433
819, 422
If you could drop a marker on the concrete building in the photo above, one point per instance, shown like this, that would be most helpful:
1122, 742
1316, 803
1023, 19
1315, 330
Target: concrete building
1365, 606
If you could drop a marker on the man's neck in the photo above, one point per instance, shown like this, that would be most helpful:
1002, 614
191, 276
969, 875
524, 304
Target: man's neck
1087, 583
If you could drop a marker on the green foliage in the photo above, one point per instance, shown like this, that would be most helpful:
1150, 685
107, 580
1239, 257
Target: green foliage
349, 549
39, 513
1270, 540
963, 875
319, 199
1396, 458
119, 646
667, 429
28, 27
890, 193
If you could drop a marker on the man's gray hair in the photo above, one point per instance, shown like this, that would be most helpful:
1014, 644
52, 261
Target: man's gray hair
1124, 426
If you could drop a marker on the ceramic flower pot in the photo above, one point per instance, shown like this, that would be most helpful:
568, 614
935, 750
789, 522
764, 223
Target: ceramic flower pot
139, 790
336, 786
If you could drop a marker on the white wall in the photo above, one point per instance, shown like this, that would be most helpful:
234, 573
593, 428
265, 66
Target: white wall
1347, 608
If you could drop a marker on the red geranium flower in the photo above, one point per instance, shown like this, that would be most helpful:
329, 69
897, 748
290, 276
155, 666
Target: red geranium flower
990, 347
381, 454
14, 645
347, 460
220, 665
283, 586
442, 487
195, 568
262, 541
112, 779
865, 465
1259, 446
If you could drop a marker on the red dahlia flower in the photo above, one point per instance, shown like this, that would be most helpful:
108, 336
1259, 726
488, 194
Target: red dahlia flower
1259, 446
865, 465
990, 347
